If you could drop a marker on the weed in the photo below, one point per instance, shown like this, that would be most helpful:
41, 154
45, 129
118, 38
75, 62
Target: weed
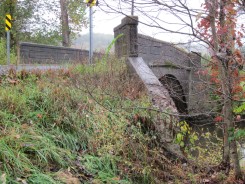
39, 178
86, 124
3, 53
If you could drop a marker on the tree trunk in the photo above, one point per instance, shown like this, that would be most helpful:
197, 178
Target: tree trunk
227, 112
226, 147
220, 45
65, 23
230, 145
227, 105
235, 160
229, 81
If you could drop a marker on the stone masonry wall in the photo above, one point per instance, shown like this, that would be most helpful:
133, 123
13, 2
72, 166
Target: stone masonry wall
164, 59
42, 54
156, 52
127, 46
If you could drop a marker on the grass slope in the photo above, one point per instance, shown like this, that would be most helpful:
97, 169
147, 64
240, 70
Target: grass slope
88, 124
56, 127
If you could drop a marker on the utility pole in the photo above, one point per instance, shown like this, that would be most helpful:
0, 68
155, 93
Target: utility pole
90, 34
189, 45
132, 8
91, 3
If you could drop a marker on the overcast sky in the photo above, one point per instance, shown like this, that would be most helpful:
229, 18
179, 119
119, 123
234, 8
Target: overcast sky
104, 23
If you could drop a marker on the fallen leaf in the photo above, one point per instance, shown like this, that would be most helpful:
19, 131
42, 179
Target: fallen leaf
25, 126
21, 180
116, 178
206, 181
67, 177
218, 119
17, 136
3, 178
39, 116
11, 81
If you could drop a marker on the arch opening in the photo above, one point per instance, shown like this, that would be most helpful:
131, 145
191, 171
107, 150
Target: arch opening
176, 92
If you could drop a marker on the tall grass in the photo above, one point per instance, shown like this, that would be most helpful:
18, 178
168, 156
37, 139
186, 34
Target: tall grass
87, 124
3, 53
47, 122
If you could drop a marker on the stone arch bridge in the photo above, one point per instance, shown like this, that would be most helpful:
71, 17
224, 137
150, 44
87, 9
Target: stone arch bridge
175, 68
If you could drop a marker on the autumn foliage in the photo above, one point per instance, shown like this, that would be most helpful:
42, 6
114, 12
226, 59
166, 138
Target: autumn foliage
219, 29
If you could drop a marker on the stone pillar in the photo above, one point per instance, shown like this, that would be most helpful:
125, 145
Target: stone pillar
127, 45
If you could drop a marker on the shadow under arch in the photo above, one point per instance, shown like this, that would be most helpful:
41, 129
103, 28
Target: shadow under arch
176, 92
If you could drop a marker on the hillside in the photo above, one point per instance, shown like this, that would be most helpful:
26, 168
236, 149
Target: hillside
77, 126
89, 124
101, 41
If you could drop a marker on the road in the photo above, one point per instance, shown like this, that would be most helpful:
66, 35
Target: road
5, 68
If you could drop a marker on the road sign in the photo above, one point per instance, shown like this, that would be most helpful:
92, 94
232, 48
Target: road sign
8, 27
92, 2
8, 24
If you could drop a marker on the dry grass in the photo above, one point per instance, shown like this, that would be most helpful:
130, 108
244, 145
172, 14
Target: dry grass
84, 124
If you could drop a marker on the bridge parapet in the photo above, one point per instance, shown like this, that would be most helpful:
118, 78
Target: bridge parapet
127, 45
32, 53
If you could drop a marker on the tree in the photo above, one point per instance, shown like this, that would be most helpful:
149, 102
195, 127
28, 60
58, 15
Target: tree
72, 18
219, 30
65, 24
37, 20
21, 12
71, 14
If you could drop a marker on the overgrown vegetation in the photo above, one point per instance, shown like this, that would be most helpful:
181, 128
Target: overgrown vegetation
3, 53
30, 23
87, 124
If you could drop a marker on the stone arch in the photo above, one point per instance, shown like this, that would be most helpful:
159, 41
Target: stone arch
175, 91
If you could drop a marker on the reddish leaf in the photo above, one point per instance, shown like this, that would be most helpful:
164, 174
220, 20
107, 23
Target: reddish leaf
218, 119
39, 116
